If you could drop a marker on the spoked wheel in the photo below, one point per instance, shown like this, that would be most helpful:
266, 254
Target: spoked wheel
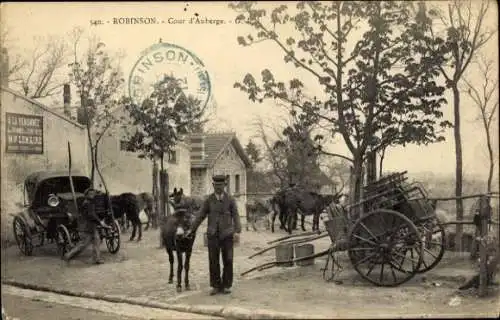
64, 242
385, 248
433, 237
23, 236
113, 237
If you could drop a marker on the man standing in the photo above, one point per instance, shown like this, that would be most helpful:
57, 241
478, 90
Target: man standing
223, 229
90, 233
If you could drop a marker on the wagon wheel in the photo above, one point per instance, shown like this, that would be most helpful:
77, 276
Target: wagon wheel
63, 237
75, 236
113, 237
433, 238
385, 248
23, 236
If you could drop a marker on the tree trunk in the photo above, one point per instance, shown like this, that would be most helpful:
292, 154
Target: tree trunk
162, 189
458, 168
382, 156
155, 194
492, 160
371, 167
357, 186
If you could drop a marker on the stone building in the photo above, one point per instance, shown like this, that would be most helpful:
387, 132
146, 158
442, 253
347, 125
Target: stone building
219, 153
33, 138
124, 171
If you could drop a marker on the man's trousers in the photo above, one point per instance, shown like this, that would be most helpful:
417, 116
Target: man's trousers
217, 248
88, 238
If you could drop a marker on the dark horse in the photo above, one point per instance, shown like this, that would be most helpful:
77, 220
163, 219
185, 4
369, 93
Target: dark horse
293, 201
126, 205
173, 230
146, 203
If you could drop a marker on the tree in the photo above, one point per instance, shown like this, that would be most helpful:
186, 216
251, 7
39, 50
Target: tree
39, 73
253, 152
15, 64
384, 86
98, 79
161, 121
465, 35
293, 155
483, 97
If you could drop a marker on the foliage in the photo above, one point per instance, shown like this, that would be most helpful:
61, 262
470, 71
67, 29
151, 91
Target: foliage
465, 34
383, 91
98, 79
482, 94
162, 120
37, 72
253, 152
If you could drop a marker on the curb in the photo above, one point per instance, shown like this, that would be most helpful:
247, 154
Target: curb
207, 310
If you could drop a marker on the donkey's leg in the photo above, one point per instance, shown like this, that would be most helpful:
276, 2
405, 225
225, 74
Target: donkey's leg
134, 229
149, 219
179, 268
289, 222
171, 260
273, 218
139, 225
186, 268
302, 220
254, 220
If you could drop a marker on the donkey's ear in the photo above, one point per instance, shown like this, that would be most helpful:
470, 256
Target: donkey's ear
181, 191
175, 190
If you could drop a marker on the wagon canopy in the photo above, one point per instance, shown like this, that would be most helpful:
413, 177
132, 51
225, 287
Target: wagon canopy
39, 184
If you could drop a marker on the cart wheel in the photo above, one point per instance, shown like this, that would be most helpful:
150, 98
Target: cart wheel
113, 237
64, 242
385, 248
433, 237
75, 236
23, 236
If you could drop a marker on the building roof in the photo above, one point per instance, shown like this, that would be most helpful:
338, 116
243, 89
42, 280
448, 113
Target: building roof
42, 106
215, 144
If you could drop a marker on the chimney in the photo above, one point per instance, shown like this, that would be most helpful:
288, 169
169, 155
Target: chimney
4, 68
67, 99
197, 147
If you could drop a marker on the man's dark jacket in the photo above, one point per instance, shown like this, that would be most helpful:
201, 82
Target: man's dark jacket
223, 217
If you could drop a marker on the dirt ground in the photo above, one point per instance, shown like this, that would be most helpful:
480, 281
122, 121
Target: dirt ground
140, 270
302, 290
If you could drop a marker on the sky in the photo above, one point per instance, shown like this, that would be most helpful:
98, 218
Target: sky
227, 62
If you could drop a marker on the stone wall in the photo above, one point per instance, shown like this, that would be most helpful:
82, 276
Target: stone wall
124, 171
57, 131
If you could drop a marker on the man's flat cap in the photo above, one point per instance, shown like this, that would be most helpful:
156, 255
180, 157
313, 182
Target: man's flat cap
219, 179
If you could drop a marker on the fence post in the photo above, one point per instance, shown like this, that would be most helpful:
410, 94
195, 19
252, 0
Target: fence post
483, 232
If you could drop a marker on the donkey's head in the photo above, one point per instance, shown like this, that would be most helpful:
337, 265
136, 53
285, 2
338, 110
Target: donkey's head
177, 195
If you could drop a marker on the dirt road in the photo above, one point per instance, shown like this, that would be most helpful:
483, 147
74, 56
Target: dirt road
33, 305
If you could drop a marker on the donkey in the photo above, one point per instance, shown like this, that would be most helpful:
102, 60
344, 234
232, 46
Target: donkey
126, 205
306, 203
257, 210
191, 203
172, 230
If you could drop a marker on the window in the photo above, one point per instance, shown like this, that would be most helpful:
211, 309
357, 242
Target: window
124, 145
237, 183
172, 156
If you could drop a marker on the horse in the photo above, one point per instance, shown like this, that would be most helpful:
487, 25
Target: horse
255, 211
279, 209
172, 231
293, 201
146, 203
126, 205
